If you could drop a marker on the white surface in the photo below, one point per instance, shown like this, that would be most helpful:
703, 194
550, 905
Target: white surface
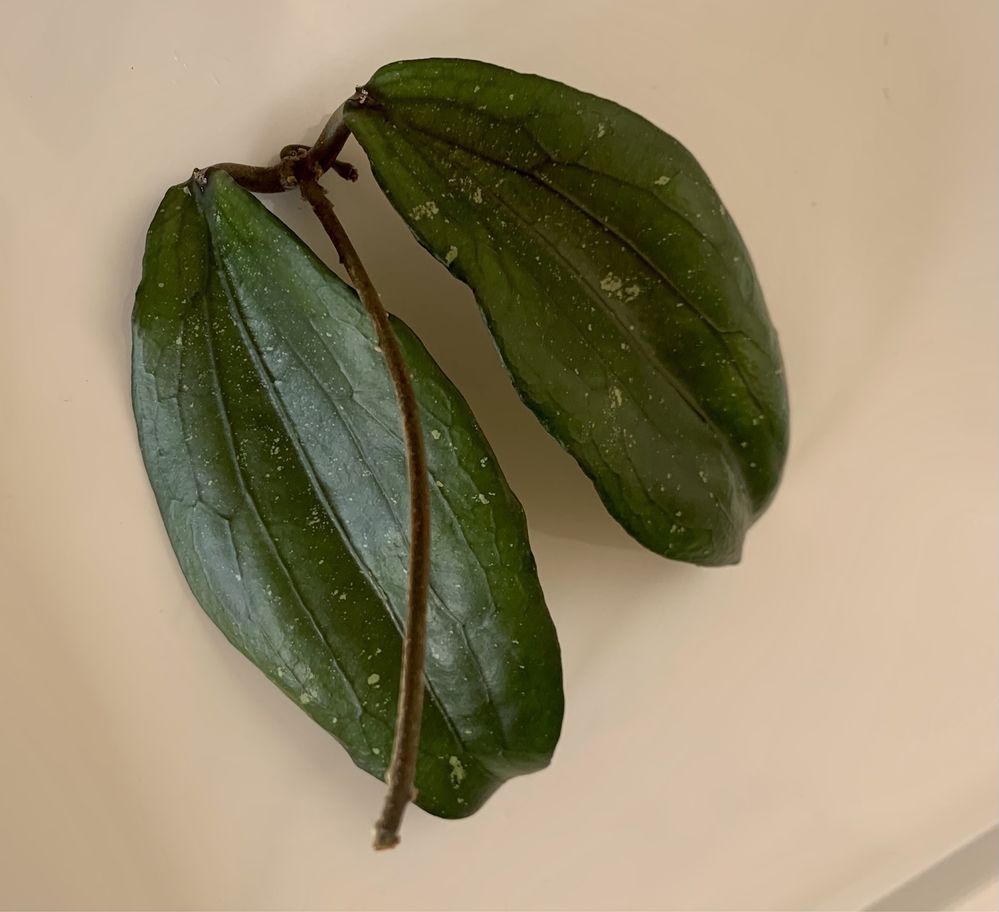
984, 900
805, 731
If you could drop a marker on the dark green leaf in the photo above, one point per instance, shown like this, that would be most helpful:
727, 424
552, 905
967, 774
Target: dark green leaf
618, 289
272, 438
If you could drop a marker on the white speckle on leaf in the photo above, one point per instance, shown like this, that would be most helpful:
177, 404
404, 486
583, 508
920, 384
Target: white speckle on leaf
483, 498
617, 397
425, 210
601, 130
376, 751
304, 698
374, 679
611, 283
451, 255
457, 770
435, 434
477, 195
662, 180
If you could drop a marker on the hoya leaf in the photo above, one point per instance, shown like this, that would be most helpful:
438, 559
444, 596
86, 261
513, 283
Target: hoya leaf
619, 291
271, 435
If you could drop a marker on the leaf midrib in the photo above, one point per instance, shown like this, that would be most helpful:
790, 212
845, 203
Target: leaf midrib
258, 518
719, 333
267, 384
390, 505
671, 380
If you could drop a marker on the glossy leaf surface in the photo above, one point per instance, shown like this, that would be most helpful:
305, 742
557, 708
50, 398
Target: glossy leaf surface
619, 291
271, 435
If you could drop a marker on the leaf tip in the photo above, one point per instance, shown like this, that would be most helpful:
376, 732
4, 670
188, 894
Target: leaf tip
363, 97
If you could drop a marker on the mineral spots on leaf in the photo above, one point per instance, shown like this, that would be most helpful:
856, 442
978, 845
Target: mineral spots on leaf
615, 288
611, 283
425, 210
457, 770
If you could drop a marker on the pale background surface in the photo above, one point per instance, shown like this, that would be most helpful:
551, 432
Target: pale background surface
807, 731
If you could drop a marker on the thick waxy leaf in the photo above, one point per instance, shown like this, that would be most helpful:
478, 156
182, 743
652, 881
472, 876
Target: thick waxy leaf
617, 287
272, 438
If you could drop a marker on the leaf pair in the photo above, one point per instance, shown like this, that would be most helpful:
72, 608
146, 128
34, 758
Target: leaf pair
626, 309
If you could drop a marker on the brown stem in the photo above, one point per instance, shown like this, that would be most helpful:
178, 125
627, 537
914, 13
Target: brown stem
325, 150
405, 748
253, 177
296, 162
302, 166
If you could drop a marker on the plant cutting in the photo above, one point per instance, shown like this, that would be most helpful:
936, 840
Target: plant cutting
329, 495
